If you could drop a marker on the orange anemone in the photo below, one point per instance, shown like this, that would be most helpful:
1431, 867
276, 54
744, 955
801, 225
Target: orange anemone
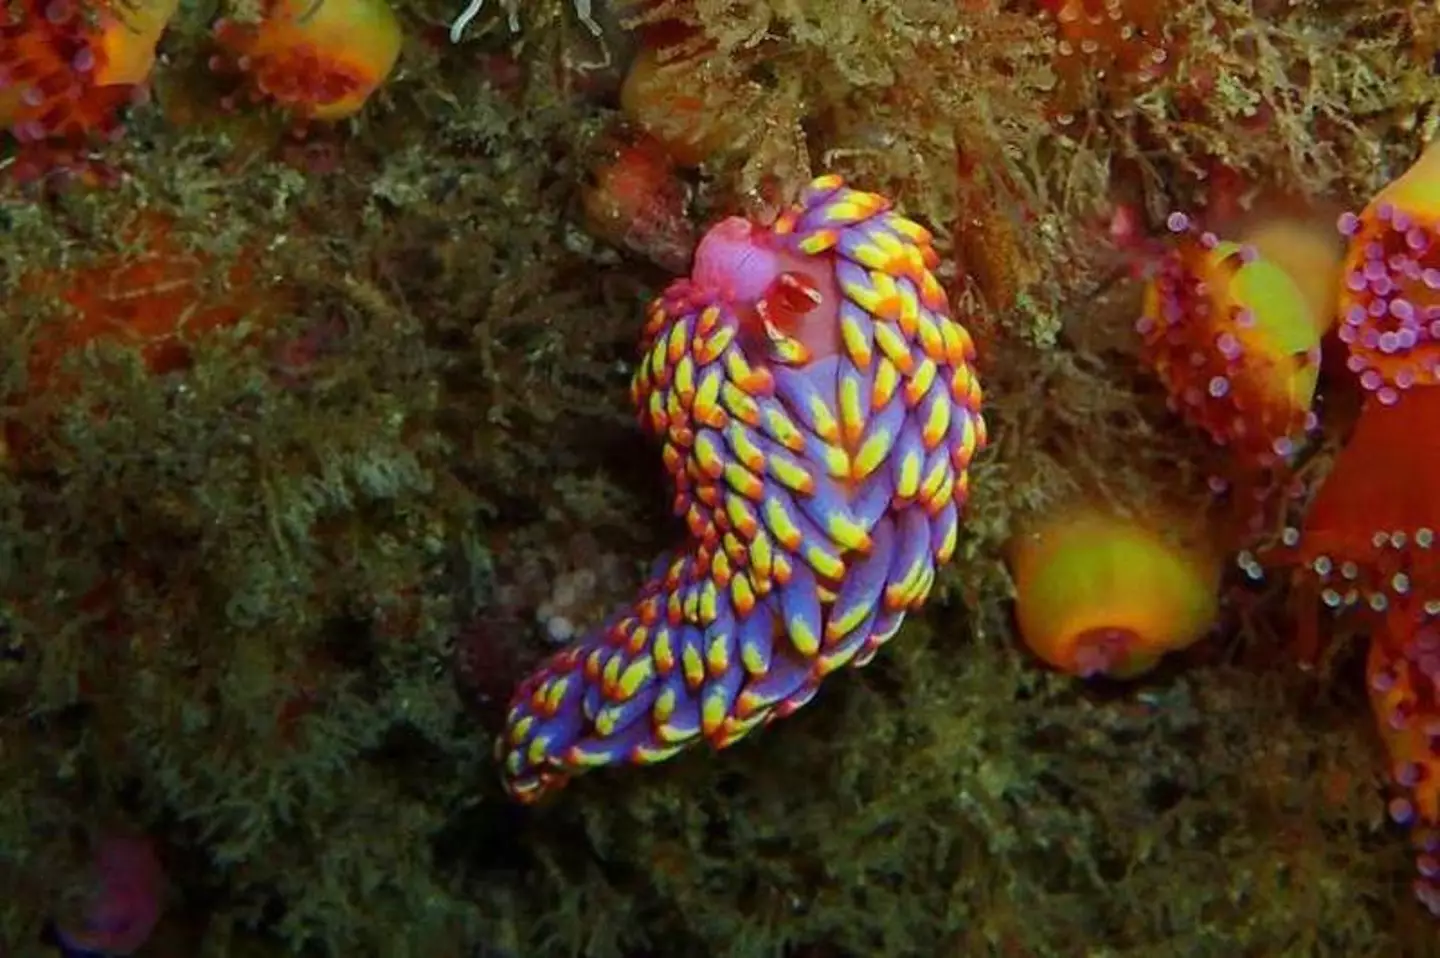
1401, 674
1369, 535
1117, 45
1235, 343
1390, 292
320, 59
66, 68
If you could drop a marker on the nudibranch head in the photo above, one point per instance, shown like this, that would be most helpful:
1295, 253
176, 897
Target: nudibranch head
67, 68
1390, 291
785, 300
818, 411
320, 59
1235, 343
1401, 673
1098, 594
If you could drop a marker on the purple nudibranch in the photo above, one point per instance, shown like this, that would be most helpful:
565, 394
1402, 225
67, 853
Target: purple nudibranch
818, 410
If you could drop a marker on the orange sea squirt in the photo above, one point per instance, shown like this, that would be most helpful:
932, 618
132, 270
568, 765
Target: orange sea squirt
321, 59
635, 199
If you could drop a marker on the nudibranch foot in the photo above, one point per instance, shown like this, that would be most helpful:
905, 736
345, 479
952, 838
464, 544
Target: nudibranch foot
818, 412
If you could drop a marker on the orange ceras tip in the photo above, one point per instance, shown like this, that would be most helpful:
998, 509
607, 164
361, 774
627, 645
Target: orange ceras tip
1390, 291
1099, 594
321, 59
67, 67
1234, 341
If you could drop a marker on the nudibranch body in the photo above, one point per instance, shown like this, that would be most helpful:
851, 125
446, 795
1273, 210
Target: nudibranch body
818, 412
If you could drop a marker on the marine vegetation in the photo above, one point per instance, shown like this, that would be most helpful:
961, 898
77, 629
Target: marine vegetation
325, 328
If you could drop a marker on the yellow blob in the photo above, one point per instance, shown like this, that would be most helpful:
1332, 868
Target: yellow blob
1310, 254
1284, 331
1101, 594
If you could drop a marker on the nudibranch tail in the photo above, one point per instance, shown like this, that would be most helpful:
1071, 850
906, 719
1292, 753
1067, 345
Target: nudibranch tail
820, 472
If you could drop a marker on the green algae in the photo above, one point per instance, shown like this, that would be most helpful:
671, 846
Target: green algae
284, 561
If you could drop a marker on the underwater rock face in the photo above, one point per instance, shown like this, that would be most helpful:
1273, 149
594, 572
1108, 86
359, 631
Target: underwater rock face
818, 412
126, 902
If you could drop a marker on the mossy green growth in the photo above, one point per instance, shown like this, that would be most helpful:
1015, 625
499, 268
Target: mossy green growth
230, 592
